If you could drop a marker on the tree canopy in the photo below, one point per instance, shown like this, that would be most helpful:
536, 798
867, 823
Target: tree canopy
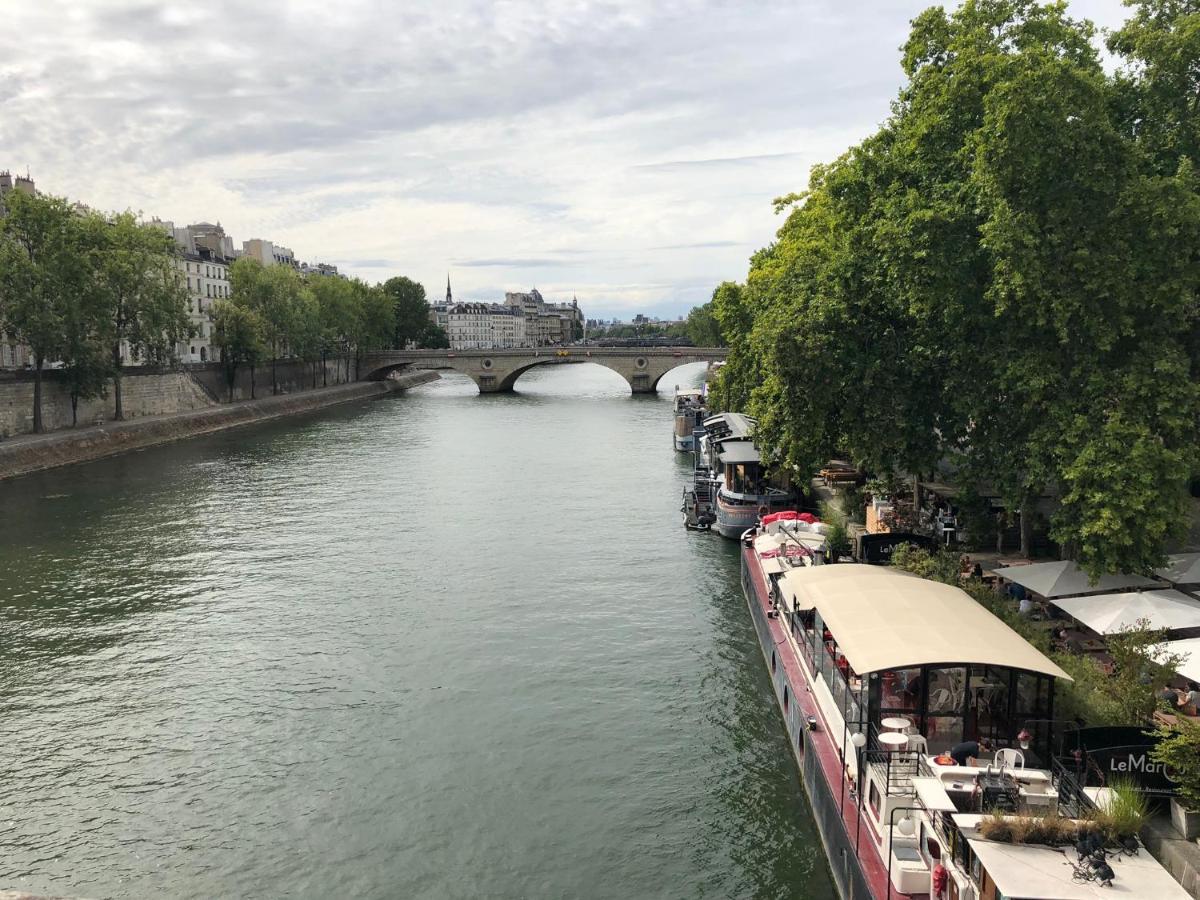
1003, 275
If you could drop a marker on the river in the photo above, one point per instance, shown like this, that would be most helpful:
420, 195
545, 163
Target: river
438, 645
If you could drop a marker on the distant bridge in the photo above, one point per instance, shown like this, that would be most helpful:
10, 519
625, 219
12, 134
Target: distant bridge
495, 371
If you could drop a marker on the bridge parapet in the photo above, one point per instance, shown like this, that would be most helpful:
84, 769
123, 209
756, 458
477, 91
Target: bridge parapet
496, 371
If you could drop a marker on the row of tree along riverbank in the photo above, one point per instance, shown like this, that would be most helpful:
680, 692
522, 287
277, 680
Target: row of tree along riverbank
31, 453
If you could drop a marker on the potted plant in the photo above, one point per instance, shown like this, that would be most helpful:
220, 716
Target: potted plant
1178, 749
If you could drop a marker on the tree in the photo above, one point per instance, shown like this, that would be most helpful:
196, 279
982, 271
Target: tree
307, 339
269, 291
1126, 695
335, 305
702, 326
994, 278
145, 304
410, 310
85, 355
238, 332
42, 273
434, 337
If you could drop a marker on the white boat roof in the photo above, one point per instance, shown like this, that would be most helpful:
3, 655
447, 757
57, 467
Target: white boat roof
689, 392
1109, 613
884, 618
1022, 871
932, 794
1066, 579
735, 452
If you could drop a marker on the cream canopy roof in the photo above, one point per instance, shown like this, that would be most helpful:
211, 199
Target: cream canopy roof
883, 618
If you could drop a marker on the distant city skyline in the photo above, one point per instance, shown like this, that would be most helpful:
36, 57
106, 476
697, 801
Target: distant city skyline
625, 153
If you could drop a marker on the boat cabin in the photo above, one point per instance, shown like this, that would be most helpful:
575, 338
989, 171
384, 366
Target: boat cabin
889, 646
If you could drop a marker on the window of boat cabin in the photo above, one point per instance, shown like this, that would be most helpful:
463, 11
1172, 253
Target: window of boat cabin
988, 709
944, 710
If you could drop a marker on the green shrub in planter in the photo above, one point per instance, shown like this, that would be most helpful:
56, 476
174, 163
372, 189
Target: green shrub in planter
1178, 749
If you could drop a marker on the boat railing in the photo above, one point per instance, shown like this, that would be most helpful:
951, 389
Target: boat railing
1068, 777
896, 768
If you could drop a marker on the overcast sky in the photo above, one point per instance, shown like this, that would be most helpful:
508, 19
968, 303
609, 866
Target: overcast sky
624, 151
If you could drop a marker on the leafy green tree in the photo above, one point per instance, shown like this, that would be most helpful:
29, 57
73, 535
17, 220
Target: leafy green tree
270, 291
434, 337
1126, 695
410, 310
336, 313
307, 339
238, 332
702, 326
42, 273
85, 350
139, 289
994, 277
1158, 88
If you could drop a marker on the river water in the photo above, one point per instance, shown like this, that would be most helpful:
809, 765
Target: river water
438, 645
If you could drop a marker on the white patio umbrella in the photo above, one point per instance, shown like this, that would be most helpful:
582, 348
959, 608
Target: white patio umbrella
1190, 648
1182, 568
1066, 579
1109, 613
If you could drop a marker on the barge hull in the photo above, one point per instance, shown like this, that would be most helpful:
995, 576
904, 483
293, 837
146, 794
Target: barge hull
836, 815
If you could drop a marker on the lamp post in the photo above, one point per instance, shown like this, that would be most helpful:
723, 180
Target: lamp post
907, 826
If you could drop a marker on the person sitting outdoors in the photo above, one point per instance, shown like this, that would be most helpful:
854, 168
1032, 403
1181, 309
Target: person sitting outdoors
967, 753
1167, 696
1189, 700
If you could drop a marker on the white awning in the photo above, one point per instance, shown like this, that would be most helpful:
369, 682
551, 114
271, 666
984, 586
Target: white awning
933, 795
1190, 667
772, 565
1030, 870
1182, 568
1109, 613
883, 618
1066, 579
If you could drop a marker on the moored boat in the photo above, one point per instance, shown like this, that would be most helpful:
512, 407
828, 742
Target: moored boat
879, 674
690, 412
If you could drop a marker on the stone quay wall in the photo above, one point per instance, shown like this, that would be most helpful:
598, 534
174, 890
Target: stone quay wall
149, 391
31, 453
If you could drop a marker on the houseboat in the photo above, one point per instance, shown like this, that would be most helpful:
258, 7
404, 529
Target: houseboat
743, 493
879, 674
689, 416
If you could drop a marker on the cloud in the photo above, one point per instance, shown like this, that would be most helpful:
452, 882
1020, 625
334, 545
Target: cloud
627, 150
723, 161
513, 263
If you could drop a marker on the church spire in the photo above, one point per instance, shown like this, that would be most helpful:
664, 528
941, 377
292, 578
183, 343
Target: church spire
449, 296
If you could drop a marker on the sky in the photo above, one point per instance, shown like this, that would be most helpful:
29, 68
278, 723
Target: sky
625, 152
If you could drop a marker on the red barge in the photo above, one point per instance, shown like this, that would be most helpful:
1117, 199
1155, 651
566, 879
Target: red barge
878, 675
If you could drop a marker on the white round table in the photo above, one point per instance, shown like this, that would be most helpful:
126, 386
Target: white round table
893, 740
895, 723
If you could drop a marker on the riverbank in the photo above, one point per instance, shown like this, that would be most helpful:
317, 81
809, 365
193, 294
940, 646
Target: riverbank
31, 453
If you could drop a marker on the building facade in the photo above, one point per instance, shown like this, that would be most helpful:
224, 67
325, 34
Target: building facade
480, 326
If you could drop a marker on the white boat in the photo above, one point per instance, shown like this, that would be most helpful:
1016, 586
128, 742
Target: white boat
689, 409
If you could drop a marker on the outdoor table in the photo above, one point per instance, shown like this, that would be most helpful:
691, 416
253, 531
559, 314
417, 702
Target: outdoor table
896, 723
893, 741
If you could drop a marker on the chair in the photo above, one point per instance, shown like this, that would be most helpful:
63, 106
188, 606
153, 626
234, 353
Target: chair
917, 742
1008, 758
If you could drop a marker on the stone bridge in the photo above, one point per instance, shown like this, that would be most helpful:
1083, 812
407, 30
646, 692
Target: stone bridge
498, 370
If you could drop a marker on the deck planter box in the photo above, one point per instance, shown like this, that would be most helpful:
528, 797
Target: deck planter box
1186, 821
